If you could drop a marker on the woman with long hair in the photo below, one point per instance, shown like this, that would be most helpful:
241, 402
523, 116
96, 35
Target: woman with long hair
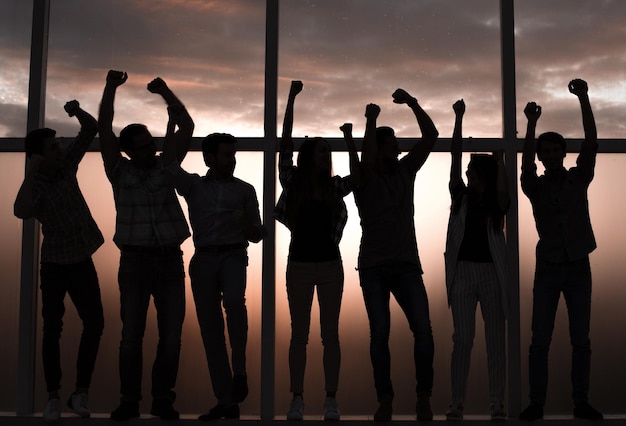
311, 206
476, 267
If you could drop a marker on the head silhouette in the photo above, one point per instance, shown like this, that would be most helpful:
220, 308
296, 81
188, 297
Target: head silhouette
218, 150
551, 150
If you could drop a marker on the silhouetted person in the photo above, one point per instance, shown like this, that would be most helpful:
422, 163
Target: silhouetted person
224, 216
561, 210
50, 193
388, 258
149, 229
476, 267
311, 206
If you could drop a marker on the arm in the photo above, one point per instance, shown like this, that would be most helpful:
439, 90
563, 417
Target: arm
421, 150
529, 168
355, 166
169, 142
88, 130
285, 160
250, 218
502, 185
24, 202
370, 145
587, 158
181, 137
108, 142
456, 147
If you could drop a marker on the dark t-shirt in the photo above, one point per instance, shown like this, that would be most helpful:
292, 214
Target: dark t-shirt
311, 238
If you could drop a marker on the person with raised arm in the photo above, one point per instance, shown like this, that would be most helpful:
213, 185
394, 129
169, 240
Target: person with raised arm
149, 228
50, 193
388, 257
224, 216
561, 210
476, 270
311, 206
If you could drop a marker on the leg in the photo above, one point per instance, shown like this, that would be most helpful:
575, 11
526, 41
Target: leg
207, 294
577, 293
376, 296
233, 279
300, 286
463, 300
84, 291
52, 309
546, 293
135, 280
329, 293
169, 301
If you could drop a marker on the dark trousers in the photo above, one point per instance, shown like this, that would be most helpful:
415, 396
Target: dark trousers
573, 279
404, 281
162, 276
80, 281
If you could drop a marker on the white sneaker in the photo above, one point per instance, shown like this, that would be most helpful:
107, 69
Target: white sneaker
52, 413
331, 409
296, 408
455, 412
78, 404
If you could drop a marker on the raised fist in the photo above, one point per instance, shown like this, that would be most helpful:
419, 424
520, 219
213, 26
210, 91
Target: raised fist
532, 111
578, 87
372, 111
401, 96
71, 108
157, 85
296, 87
116, 78
346, 128
459, 107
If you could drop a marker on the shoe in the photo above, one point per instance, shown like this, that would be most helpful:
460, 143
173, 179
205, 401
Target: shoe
384, 411
533, 412
296, 408
422, 407
497, 411
52, 413
78, 404
221, 411
126, 410
583, 410
240, 387
455, 412
163, 408
331, 409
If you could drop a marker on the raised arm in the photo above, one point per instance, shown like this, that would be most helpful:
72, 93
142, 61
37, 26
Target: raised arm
182, 136
421, 150
285, 160
532, 111
23, 207
108, 142
370, 145
586, 159
88, 129
456, 146
174, 114
355, 166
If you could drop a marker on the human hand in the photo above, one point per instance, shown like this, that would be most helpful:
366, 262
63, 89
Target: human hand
157, 86
459, 107
71, 108
578, 87
532, 111
116, 78
296, 87
401, 96
372, 111
346, 128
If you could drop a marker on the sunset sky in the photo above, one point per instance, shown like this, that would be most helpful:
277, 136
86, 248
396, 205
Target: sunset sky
348, 53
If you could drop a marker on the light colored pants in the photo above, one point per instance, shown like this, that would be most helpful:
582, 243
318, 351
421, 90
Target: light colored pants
477, 282
302, 278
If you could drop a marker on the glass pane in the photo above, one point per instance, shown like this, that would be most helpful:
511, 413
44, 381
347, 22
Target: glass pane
15, 34
608, 300
11, 175
557, 41
193, 388
350, 53
356, 393
210, 53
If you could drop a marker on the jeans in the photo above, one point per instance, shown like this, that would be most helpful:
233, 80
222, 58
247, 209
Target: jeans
80, 281
573, 279
216, 279
302, 279
162, 276
404, 281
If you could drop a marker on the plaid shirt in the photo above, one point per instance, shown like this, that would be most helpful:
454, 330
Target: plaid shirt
286, 171
70, 233
148, 211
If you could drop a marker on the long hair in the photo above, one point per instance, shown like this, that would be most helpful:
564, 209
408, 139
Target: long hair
486, 168
306, 179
